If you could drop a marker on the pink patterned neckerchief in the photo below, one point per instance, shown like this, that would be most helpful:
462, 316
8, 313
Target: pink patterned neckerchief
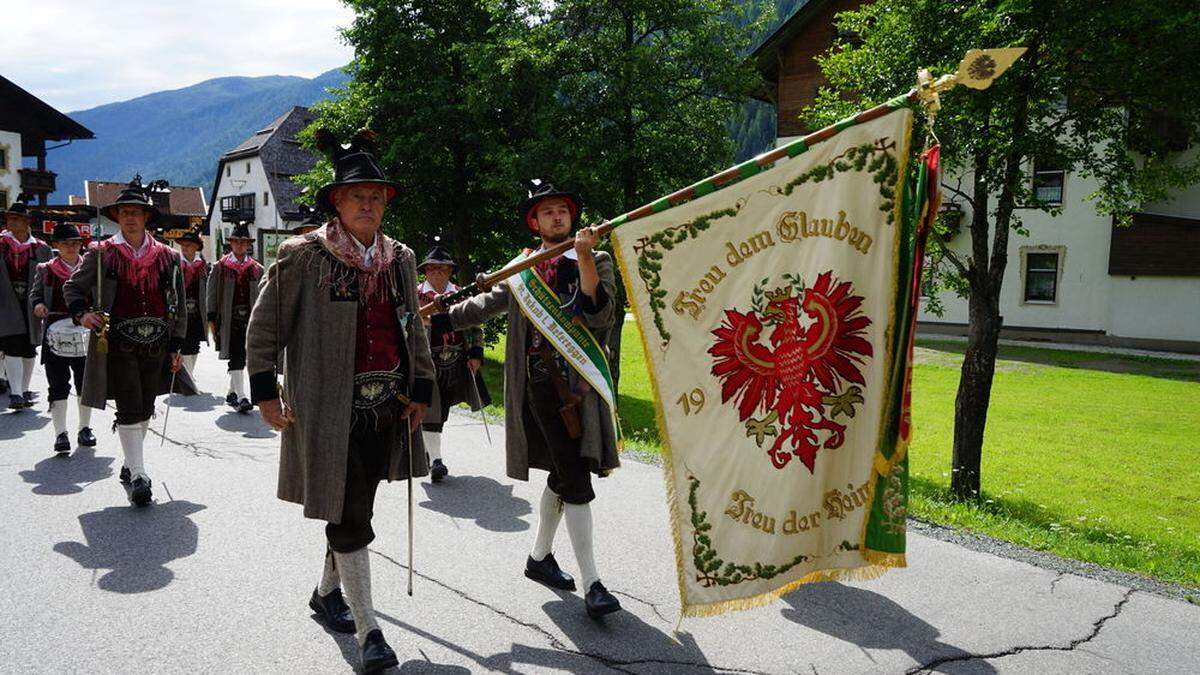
140, 271
61, 269
16, 253
191, 269
426, 292
343, 246
239, 269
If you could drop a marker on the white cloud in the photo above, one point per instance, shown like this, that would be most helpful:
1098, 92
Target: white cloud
78, 54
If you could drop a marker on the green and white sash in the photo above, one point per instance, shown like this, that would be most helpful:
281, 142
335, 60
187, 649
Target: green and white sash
540, 304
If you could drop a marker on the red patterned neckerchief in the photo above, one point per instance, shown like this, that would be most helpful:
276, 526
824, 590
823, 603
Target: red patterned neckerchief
191, 269
16, 253
240, 269
342, 245
142, 271
426, 292
61, 269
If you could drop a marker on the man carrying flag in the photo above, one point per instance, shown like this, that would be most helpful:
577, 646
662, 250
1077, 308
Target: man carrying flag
230, 297
342, 302
554, 420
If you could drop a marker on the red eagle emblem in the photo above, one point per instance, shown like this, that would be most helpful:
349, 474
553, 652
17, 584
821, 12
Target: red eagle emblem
800, 382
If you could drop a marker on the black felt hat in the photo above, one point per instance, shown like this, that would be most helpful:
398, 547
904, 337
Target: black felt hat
135, 194
20, 205
190, 237
241, 230
353, 164
65, 232
310, 218
438, 255
543, 188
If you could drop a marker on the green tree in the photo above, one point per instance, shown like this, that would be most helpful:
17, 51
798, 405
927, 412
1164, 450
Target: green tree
1100, 81
642, 93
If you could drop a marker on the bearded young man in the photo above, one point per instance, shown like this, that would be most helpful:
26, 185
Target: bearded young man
553, 420
358, 377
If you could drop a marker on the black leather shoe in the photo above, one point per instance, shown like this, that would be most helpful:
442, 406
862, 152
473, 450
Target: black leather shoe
599, 601
438, 471
62, 444
376, 654
140, 495
548, 572
3, 386
244, 406
29, 397
231, 399
124, 475
333, 610
86, 438
17, 402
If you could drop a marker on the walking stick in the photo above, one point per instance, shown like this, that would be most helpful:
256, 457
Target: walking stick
162, 437
410, 512
482, 410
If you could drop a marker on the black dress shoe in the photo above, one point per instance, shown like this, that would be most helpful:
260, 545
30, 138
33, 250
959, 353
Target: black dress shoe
438, 471
17, 402
334, 611
231, 399
244, 406
62, 444
86, 438
548, 572
3, 386
376, 654
124, 475
140, 495
29, 397
599, 601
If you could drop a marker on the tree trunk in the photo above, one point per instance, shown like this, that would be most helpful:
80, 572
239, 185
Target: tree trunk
974, 394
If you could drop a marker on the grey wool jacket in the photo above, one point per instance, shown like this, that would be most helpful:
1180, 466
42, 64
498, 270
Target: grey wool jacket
218, 299
81, 288
13, 319
304, 326
598, 444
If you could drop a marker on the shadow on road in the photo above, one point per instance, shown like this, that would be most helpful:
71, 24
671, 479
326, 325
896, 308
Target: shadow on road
17, 424
488, 502
135, 545
68, 474
249, 424
199, 403
870, 621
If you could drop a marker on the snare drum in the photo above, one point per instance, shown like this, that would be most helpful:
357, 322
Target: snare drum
67, 340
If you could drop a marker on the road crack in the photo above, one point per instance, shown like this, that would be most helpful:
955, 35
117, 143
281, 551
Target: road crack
1097, 626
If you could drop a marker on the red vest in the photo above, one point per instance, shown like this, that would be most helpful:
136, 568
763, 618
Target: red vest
377, 342
131, 303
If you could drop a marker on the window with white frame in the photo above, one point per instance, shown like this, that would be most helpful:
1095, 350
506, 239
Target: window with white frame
1041, 276
1048, 180
4, 157
3, 199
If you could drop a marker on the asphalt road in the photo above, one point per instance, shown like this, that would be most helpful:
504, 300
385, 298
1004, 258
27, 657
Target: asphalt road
215, 577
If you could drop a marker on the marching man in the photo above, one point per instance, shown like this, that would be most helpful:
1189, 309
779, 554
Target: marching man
231, 295
22, 252
357, 378
457, 356
139, 311
50, 309
195, 282
553, 420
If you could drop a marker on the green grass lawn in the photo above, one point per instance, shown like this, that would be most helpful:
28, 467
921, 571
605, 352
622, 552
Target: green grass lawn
1089, 456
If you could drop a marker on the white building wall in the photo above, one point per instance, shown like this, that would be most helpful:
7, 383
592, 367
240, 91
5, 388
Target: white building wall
245, 176
10, 179
1088, 298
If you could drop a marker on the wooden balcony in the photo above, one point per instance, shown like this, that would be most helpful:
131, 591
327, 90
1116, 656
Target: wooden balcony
37, 182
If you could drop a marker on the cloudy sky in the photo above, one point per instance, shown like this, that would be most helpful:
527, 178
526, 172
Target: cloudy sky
78, 54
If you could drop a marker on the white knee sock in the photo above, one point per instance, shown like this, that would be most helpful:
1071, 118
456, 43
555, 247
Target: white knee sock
579, 527
189, 362
58, 413
85, 415
132, 438
16, 374
237, 383
355, 570
27, 373
433, 444
330, 580
549, 514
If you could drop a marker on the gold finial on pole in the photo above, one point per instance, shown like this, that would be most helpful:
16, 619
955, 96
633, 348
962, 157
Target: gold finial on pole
977, 70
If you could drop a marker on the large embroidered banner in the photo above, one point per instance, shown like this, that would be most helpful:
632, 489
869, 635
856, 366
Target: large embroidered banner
776, 317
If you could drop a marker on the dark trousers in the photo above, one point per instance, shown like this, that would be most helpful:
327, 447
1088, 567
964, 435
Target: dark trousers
59, 370
367, 458
195, 335
549, 442
237, 345
18, 345
134, 378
